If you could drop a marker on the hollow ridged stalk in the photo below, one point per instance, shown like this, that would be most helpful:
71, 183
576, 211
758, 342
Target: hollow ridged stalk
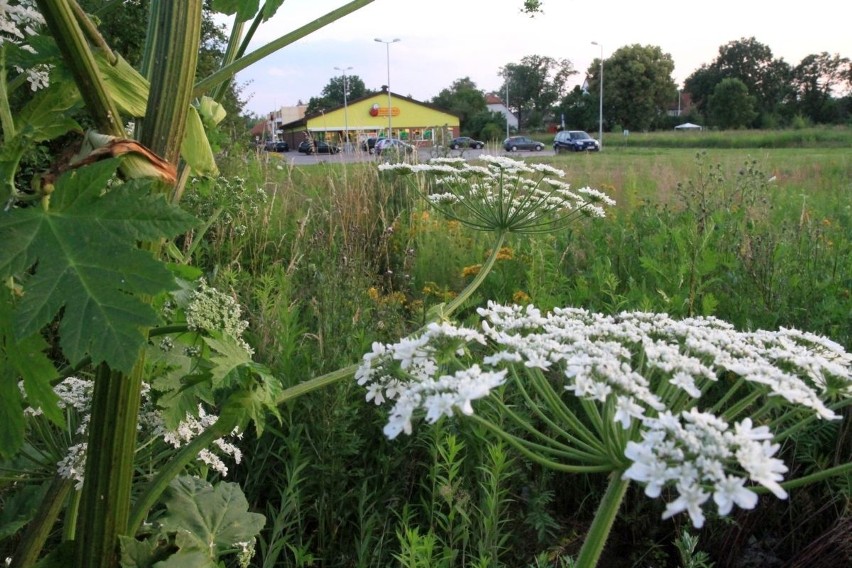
39, 528
62, 22
598, 533
228, 71
105, 503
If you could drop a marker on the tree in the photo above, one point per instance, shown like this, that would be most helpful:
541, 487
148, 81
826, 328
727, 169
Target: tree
817, 79
730, 105
331, 95
638, 86
534, 85
766, 78
463, 99
486, 125
579, 108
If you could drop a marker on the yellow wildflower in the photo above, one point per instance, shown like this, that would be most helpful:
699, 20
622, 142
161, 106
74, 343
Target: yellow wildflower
505, 253
472, 270
521, 297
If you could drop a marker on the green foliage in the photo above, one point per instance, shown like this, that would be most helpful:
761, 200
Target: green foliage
88, 262
202, 523
638, 86
463, 99
535, 84
689, 557
338, 91
748, 60
730, 106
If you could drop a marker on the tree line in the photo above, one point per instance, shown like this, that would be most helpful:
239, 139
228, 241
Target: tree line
745, 86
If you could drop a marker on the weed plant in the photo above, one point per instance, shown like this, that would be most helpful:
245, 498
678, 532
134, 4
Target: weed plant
336, 257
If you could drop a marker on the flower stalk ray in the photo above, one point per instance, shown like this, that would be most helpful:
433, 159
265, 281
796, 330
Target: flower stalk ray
633, 391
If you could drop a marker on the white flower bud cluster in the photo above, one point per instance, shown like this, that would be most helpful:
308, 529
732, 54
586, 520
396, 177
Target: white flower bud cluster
18, 21
212, 310
649, 373
505, 193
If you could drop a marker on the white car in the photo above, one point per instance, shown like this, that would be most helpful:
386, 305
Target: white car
392, 144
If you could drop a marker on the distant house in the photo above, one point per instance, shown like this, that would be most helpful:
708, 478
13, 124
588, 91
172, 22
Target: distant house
270, 127
495, 104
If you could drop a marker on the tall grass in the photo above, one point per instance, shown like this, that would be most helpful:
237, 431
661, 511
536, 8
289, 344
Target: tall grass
335, 256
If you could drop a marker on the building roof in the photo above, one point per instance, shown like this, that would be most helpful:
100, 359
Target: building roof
303, 121
492, 99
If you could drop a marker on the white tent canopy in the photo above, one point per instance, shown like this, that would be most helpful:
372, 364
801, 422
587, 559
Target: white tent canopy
688, 126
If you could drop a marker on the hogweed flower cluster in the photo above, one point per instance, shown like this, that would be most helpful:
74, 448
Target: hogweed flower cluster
18, 22
76, 394
192, 426
500, 194
680, 400
212, 310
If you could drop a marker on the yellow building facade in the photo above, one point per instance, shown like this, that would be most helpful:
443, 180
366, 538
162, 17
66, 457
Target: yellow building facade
410, 120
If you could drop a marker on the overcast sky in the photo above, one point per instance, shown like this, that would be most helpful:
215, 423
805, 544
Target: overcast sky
444, 40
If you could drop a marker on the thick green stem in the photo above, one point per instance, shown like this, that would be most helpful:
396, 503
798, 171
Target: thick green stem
151, 493
105, 502
479, 279
230, 54
842, 469
176, 28
40, 527
6, 120
65, 29
598, 533
227, 72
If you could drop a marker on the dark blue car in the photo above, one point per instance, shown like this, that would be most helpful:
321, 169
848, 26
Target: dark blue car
574, 141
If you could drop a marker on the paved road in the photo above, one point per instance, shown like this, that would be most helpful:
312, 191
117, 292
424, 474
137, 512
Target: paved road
299, 159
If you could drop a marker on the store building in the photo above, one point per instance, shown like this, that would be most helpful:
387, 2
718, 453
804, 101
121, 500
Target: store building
417, 123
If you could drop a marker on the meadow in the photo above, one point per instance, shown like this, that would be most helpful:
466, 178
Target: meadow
328, 259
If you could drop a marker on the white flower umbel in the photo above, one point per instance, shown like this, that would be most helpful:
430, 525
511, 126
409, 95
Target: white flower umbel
673, 398
500, 194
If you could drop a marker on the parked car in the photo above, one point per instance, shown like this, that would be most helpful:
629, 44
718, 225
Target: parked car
318, 147
385, 145
280, 146
574, 141
369, 144
515, 143
465, 142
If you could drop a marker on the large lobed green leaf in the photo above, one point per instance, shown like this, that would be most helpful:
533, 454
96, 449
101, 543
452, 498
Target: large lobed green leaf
24, 361
215, 517
80, 256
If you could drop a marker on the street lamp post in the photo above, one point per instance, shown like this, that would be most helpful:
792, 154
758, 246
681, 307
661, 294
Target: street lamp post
387, 48
507, 107
345, 110
600, 103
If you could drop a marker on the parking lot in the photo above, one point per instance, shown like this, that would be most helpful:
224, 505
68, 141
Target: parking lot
298, 159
